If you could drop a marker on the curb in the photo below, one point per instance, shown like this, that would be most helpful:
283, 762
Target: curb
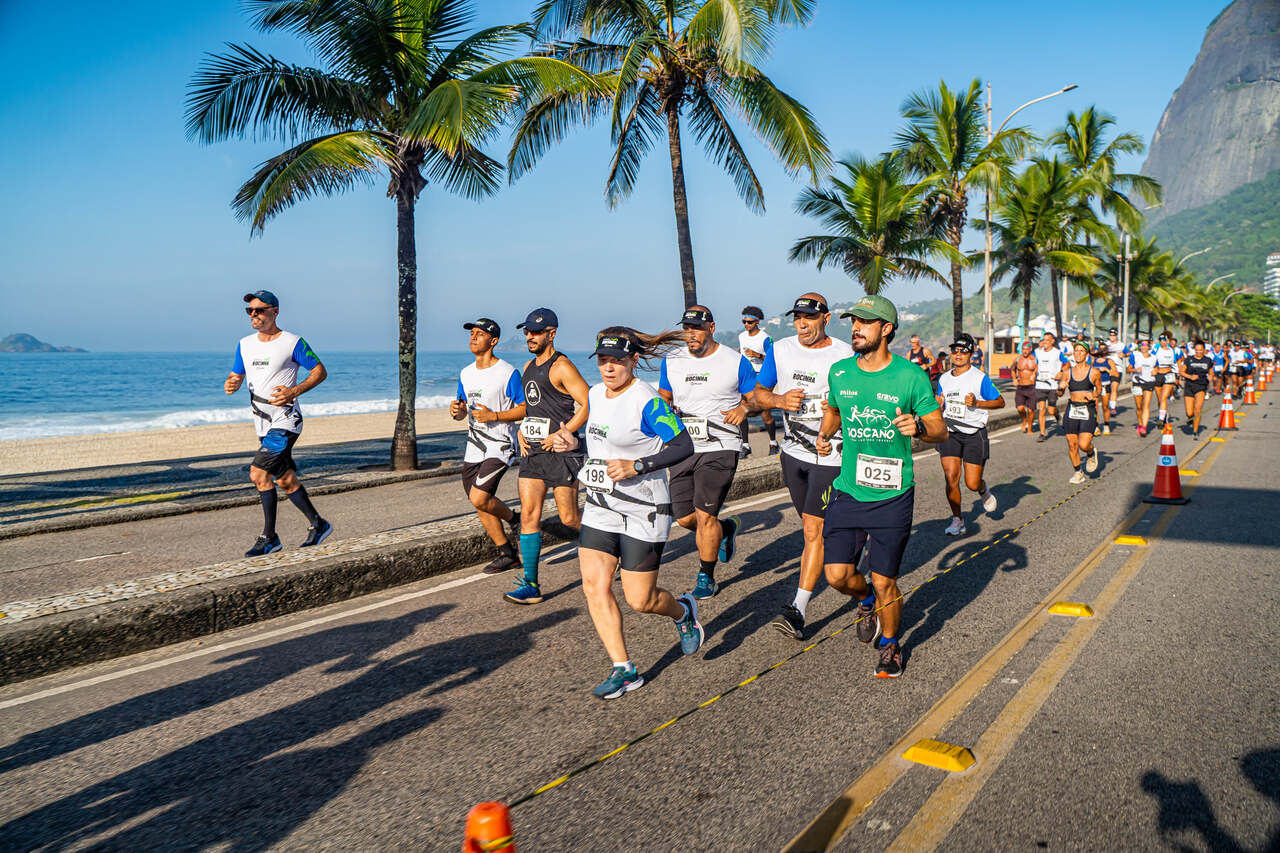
47, 644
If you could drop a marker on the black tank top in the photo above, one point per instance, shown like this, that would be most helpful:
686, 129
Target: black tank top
916, 356
1074, 384
543, 399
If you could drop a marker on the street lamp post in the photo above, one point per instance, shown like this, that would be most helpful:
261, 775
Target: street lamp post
1185, 258
1124, 321
988, 314
1220, 278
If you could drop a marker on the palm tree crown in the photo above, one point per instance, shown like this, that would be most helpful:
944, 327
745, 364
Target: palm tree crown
655, 63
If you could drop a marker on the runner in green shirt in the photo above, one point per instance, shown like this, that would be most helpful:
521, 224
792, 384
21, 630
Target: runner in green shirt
880, 401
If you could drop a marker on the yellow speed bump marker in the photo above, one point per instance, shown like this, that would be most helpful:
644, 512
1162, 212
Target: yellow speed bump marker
1218, 440
1131, 540
1072, 608
944, 756
1187, 472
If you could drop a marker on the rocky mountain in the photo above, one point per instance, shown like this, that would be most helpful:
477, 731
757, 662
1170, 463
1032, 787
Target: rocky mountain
28, 343
1221, 129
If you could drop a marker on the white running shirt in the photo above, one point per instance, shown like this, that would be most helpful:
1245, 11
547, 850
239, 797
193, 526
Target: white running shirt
632, 425
1145, 365
1048, 365
702, 388
267, 364
497, 388
953, 389
760, 342
790, 365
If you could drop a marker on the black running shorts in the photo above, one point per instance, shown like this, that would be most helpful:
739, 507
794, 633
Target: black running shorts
275, 454
851, 524
973, 447
484, 475
1025, 397
634, 555
809, 484
1192, 387
1080, 426
554, 469
702, 481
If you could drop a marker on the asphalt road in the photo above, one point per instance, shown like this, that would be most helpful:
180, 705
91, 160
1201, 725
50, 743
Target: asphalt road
377, 723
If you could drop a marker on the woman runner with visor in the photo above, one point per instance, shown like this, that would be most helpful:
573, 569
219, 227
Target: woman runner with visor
633, 436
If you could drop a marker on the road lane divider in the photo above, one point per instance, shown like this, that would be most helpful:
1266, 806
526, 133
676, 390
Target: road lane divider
1072, 608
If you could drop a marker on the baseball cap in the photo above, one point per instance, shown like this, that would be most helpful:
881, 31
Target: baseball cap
539, 319
753, 311
618, 346
873, 308
963, 342
809, 306
696, 317
263, 295
484, 324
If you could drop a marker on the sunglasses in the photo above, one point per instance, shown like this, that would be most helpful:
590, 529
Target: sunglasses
749, 321
252, 311
961, 349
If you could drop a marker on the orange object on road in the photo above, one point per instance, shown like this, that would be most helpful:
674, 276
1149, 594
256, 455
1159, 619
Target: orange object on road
1168, 485
489, 829
1227, 414
1250, 399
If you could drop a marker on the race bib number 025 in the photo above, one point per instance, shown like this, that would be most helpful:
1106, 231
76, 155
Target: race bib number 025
595, 475
535, 429
879, 472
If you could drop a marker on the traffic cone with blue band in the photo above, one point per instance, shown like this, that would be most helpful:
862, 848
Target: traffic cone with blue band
1168, 486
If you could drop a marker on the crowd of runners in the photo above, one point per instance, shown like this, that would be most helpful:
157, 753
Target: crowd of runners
646, 456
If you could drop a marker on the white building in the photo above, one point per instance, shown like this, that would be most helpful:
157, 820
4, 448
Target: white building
1271, 278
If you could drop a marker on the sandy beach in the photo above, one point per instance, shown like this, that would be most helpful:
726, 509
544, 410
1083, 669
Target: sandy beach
38, 455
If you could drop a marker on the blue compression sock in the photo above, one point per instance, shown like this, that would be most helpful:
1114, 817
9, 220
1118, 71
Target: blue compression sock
884, 641
530, 548
869, 601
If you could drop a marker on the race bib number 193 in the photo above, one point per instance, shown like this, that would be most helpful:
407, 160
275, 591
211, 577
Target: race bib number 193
956, 409
879, 472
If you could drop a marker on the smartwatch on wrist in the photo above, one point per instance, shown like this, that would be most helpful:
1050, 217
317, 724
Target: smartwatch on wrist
920, 431
639, 466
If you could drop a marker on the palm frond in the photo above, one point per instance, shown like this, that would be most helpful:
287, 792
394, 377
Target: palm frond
632, 141
469, 173
459, 113
783, 123
712, 130
550, 120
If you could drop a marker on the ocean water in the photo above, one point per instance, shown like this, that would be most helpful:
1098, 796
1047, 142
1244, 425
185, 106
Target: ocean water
52, 394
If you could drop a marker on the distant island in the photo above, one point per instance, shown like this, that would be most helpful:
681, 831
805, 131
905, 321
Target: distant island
28, 343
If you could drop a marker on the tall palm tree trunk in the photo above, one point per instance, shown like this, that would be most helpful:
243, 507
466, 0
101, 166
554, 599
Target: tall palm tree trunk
1026, 313
681, 199
955, 233
1057, 303
404, 441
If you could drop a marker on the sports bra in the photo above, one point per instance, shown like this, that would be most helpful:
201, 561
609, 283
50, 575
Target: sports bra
1074, 384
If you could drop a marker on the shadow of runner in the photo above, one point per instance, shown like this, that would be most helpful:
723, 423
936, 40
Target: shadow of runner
1184, 807
349, 647
225, 790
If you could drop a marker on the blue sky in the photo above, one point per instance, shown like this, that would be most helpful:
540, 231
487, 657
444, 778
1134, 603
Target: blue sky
117, 232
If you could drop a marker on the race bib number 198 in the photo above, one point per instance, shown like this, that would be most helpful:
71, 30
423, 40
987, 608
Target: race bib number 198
595, 475
879, 472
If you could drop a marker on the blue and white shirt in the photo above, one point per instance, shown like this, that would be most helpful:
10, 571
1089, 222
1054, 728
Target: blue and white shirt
953, 388
497, 388
702, 388
759, 342
267, 365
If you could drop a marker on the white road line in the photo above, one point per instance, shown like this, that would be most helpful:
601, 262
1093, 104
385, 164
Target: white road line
101, 557
289, 629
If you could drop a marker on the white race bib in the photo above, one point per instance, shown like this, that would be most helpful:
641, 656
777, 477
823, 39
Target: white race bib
1078, 412
956, 410
595, 476
810, 409
1046, 374
878, 472
696, 427
535, 429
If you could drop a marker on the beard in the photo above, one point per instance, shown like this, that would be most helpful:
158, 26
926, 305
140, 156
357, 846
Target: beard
866, 345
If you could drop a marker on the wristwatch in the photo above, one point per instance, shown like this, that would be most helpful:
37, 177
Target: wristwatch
919, 427
639, 466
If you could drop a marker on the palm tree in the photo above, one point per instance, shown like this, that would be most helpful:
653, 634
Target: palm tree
404, 89
663, 62
1083, 146
1035, 231
945, 143
875, 222
1148, 275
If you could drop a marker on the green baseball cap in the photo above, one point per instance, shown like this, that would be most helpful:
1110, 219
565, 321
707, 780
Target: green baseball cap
873, 308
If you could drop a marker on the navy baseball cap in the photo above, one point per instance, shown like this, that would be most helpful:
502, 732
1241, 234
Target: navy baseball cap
484, 324
539, 319
618, 346
264, 295
696, 317
809, 306
963, 343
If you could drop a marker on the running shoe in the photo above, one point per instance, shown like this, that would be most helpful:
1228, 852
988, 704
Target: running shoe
890, 665
317, 533
1043, 438
1091, 462
989, 502
1106, 430
956, 527
868, 623
1077, 478
622, 679
774, 450
1142, 432
744, 452
264, 545
727, 543
705, 586
790, 622
1097, 430
688, 627
500, 564
524, 593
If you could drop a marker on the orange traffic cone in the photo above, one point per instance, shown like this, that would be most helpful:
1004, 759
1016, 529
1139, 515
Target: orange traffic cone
1227, 414
489, 830
1262, 382
1168, 487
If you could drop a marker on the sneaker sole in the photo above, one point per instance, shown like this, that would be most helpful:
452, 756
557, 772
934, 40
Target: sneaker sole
279, 547
488, 571
508, 597
703, 597
729, 546
702, 635
784, 627
319, 539
888, 674
625, 689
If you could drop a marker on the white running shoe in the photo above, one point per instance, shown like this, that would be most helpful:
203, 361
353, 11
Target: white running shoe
989, 502
956, 527
1077, 478
1091, 462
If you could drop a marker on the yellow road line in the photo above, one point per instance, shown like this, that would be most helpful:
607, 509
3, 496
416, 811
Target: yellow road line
943, 809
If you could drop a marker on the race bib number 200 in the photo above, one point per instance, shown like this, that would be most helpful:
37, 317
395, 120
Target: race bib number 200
696, 427
879, 472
